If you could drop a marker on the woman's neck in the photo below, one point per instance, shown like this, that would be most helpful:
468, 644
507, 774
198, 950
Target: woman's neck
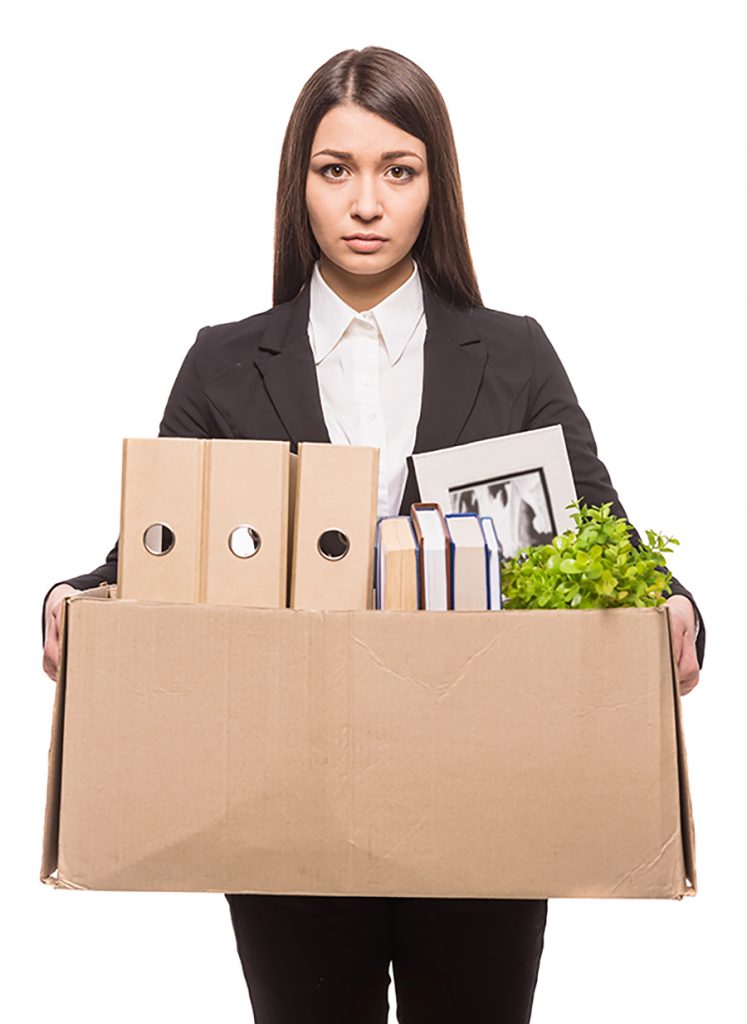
364, 291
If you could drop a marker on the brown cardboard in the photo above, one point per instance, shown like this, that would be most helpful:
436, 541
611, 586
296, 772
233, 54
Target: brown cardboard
520, 754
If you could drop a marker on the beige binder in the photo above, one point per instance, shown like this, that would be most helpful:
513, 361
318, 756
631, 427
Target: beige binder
245, 545
205, 521
161, 511
335, 513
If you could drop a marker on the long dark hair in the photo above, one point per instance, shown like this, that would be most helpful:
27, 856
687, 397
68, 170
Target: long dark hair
395, 88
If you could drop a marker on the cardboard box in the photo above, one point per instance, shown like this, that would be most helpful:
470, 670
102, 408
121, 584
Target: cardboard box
376, 753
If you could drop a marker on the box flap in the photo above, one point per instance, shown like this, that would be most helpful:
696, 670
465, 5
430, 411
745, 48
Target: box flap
54, 757
686, 812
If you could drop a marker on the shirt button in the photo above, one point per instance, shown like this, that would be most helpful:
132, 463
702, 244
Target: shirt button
372, 415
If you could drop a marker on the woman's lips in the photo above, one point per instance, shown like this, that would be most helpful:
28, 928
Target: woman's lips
365, 244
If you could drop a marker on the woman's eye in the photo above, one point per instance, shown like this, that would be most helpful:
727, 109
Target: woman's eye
329, 166
325, 172
401, 167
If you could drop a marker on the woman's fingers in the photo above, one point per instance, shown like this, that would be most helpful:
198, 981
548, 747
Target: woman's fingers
52, 645
53, 613
688, 669
682, 616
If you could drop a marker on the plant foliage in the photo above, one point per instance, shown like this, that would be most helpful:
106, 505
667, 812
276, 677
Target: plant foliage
594, 566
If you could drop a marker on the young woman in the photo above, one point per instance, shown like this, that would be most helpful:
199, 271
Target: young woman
378, 336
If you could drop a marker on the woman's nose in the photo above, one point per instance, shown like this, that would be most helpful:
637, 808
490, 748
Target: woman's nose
367, 200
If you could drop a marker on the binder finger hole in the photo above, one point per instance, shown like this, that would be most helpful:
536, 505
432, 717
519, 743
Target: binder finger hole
244, 541
333, 544
159, 539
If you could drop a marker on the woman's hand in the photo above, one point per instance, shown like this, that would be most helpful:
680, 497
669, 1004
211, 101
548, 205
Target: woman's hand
52, 612
682, 615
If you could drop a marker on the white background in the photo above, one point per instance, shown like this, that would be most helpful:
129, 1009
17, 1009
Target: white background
601, 151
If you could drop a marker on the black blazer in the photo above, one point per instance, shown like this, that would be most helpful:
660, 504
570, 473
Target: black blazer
486, 373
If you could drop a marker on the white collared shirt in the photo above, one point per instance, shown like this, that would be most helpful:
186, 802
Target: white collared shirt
369, 367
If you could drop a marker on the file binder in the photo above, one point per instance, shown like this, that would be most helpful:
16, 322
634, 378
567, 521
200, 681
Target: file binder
334, 526
161, 519
245, 547
205, 521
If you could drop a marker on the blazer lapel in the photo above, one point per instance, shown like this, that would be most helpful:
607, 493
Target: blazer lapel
454, 363
286, 363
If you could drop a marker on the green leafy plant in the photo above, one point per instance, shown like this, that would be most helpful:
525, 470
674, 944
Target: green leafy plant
594, 566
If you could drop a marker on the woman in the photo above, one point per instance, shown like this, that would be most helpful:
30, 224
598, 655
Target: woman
378, 336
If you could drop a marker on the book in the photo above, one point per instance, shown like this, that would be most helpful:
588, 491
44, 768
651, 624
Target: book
397, 578
434, 559
469, 562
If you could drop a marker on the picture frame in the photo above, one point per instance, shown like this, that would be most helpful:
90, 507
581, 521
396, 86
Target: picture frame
523, 481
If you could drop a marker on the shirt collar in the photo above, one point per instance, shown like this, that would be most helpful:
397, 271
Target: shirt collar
396, 316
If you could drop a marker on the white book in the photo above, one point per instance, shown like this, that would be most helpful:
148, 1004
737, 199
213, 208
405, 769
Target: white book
433, 555
469, 562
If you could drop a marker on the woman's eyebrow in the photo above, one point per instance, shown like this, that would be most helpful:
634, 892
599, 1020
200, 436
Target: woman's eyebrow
395, 154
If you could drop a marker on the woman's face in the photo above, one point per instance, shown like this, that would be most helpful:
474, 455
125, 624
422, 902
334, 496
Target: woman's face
366, 176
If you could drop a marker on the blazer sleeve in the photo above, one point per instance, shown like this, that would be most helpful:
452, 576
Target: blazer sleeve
187, 414
550, 400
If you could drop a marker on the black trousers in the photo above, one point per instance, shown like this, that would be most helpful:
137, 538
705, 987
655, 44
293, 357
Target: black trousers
309, 959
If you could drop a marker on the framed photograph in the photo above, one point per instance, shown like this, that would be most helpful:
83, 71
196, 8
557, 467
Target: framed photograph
523, 481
